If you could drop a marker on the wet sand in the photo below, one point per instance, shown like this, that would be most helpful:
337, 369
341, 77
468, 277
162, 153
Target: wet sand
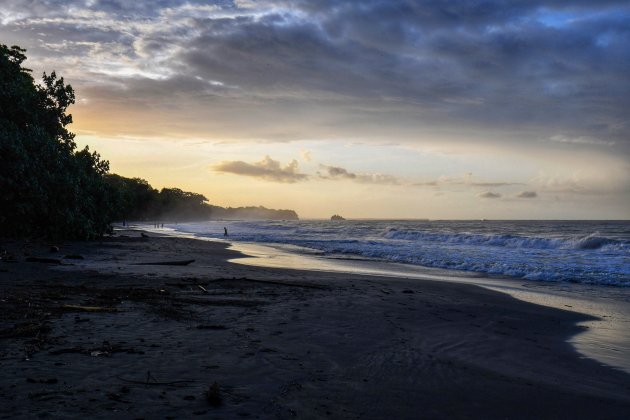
103, 337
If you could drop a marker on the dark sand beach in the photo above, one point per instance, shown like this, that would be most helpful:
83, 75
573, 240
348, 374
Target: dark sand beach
105, 337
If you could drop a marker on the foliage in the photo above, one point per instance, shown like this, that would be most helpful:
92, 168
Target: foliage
47, 187
137, 200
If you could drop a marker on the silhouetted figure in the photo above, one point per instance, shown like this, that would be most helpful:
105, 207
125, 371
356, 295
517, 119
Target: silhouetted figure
162, 226
225, 231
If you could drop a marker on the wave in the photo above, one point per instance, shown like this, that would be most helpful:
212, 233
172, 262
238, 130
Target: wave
592, 241
562, 252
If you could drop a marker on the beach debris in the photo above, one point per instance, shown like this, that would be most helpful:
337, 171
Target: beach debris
116, 397
408, 291
144, 235
74, 257
212, 327
43, 260
27, 329
54, 248
213, 395
81, 308
106, 350
280, 283
203, 289
182, 262
43, 396
151, 380
47, 381
6, 257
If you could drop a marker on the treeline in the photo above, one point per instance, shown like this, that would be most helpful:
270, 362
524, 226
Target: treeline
48, 188
138, 201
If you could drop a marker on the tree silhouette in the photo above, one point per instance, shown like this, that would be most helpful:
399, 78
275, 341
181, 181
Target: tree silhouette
47, 188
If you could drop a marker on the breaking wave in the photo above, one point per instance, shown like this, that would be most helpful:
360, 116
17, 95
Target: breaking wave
581, 252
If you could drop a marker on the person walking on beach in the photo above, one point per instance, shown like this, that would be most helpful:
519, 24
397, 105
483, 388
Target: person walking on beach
225, 231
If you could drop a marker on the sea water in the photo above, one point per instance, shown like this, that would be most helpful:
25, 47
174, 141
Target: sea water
587, 252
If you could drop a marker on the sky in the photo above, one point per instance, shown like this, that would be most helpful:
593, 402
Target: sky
456, 109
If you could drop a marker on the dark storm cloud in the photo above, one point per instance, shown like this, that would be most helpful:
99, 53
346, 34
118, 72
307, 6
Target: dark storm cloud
537, 70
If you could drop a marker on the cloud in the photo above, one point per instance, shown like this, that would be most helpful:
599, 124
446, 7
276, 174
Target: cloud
307, 156
465, 180
335, 172
580, 140
527, 194
338, 173
489, 194
364, 68
494, 184
267, 169
426, 184
600, 177
382, 179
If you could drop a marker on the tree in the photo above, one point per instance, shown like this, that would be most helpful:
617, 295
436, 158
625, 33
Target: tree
47, 188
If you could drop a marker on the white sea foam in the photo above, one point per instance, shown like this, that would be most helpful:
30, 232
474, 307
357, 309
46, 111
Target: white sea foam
582, 252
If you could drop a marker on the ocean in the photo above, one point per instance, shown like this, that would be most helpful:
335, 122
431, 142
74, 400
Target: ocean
586, 252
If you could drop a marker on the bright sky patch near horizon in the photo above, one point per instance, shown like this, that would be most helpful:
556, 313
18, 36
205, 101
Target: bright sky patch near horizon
367, 108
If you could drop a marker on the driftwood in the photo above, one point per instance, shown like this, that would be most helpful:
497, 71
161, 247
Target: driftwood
211, 327
43, 260
82, 308
151, 381
183, 262
280, 283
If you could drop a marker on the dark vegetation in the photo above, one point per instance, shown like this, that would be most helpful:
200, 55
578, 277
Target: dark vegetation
137, 200
49, 188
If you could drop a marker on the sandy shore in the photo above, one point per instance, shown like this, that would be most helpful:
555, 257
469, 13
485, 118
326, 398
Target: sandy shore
104, 337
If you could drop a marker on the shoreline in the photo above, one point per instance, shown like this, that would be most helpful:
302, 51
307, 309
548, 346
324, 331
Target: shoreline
279, 342
605, 338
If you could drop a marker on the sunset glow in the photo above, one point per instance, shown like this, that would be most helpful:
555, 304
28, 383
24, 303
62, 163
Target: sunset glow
372, 109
